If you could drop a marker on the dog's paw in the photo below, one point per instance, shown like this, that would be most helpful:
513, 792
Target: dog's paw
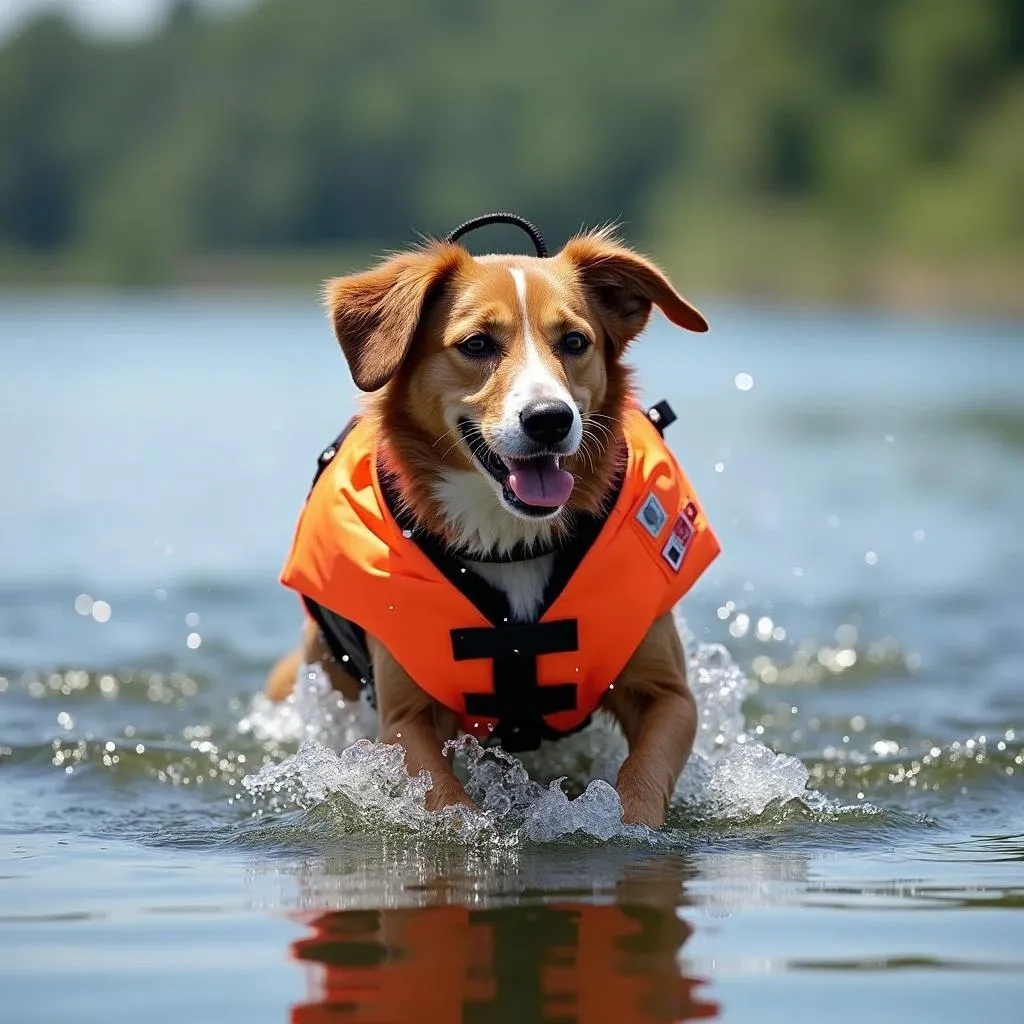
643, 802
448, 792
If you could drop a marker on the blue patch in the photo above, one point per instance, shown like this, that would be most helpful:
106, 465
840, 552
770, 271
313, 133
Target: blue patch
652, 516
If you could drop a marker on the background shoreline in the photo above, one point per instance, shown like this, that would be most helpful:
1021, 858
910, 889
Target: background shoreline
991, 289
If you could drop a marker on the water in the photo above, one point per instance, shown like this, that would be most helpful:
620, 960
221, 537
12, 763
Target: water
848, 841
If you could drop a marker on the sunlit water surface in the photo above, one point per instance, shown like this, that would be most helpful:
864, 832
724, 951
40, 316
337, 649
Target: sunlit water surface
847, 842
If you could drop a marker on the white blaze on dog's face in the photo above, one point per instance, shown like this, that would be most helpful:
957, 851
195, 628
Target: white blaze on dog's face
540, 415
502, 373
519, 370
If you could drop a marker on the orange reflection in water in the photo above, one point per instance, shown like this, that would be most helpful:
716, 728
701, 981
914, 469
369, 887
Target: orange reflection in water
566, 962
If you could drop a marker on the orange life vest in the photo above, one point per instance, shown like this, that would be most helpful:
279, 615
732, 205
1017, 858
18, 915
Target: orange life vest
352, 559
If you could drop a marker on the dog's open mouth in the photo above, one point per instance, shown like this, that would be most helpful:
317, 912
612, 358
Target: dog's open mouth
534, 486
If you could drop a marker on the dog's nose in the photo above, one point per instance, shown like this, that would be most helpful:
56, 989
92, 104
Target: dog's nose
546, 422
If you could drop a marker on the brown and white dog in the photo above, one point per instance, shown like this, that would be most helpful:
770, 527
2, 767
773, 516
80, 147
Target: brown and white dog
530, 352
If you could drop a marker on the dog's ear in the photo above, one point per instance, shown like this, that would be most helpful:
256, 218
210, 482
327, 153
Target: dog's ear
624, 285
375, 314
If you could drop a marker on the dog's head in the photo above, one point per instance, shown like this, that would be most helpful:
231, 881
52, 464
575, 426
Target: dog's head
500, 378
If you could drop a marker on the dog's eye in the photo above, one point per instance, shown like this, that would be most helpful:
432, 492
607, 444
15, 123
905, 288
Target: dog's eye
575, 343
478, 346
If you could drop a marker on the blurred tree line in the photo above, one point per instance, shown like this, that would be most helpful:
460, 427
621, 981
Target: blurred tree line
748, 141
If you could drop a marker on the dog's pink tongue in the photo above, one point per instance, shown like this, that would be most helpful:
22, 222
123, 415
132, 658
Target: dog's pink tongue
540, 482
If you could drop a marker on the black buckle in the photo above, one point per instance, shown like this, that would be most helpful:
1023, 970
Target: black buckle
662, 416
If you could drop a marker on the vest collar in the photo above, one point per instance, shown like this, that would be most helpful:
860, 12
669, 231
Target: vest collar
491, 602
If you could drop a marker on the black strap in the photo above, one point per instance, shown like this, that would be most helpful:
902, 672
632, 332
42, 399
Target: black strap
518, 701
326, 457
345, 640
501, 218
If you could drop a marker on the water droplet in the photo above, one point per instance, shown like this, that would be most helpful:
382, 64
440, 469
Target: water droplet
100, 611
739, 626
743, 381
193, 640
846, 634
83, 604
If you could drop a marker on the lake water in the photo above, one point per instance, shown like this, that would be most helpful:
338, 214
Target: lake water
847, 844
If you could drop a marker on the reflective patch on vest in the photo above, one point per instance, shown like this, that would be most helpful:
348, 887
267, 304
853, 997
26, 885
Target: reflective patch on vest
675, 547
652, 516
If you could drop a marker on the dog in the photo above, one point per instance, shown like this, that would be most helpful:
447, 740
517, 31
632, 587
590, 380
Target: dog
497, 543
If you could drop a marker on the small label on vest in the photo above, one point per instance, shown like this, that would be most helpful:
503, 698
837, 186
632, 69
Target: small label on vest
652, 516
679, 539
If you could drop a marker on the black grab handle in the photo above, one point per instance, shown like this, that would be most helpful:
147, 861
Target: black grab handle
502, 218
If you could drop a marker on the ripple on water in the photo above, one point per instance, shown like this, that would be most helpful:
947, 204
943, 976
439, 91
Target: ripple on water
927, 768
565, 789
306, 768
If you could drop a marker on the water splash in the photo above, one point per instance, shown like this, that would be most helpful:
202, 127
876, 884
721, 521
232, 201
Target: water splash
365, 786
313, 712
730, 775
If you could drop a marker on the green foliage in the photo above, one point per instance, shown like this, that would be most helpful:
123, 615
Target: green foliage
707, 126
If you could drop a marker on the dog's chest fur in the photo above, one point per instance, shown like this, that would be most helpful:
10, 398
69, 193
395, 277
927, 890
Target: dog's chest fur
522, 583
480, 525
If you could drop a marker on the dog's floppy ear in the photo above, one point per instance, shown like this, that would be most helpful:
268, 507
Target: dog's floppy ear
624, 285
375, 314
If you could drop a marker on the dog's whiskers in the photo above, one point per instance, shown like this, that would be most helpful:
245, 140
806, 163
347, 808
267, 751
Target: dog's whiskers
594, 420
444, 435
472, 433
450, 447
585, 451
606, 432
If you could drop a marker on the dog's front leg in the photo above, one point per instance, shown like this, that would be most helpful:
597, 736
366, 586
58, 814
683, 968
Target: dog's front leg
412, 718
652, 702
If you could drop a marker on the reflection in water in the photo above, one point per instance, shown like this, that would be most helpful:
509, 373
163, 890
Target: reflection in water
532, 956
548, 962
